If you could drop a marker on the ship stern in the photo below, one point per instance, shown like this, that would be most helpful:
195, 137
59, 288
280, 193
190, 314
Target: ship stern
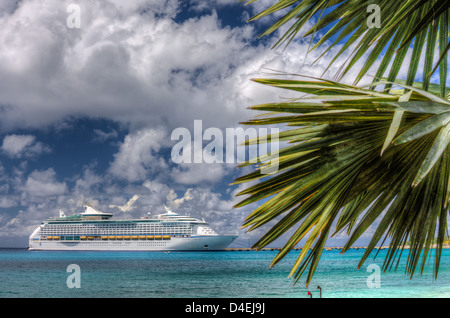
34, 240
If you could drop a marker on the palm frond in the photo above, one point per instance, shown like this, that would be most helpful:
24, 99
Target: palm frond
410, 24
354, 156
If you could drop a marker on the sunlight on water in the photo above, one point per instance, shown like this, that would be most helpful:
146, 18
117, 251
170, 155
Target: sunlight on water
206, 275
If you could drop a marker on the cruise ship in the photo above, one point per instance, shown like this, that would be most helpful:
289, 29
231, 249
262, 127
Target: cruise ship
95, 231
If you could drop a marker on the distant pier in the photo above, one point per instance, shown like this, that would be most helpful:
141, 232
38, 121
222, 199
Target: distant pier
445, 246
299, 248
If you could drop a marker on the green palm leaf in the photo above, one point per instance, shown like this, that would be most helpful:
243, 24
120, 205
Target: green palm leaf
333, 178
417, 24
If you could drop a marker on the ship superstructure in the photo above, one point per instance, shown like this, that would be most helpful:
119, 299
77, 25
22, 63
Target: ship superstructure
95, 230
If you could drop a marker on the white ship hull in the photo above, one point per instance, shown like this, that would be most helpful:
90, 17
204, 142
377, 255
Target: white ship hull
199, 243
94, 231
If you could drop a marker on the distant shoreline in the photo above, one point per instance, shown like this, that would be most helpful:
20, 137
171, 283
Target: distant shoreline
239, 249
243, 249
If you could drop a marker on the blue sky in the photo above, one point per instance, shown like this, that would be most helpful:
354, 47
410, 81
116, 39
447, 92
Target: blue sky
86, 114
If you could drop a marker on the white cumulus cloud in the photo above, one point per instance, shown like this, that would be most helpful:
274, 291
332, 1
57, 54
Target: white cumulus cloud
137, 156
18, 146
44, 184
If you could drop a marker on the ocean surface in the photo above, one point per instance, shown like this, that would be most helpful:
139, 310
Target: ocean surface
229, 274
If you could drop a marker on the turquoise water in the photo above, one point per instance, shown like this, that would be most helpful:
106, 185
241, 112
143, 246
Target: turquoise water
231, 274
